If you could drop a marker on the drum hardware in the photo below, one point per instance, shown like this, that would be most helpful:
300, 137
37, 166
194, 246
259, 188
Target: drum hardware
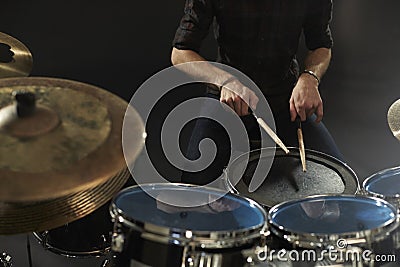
143, 225
105, 263
18, 59
5, 260
393, 117
28, 249
286, 180
202, 259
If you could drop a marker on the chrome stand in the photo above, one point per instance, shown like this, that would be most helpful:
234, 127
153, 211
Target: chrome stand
5, 260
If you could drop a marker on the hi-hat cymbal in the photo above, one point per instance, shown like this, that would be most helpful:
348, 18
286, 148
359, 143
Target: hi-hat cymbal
15, 57
16, 218
393, 117
68, 142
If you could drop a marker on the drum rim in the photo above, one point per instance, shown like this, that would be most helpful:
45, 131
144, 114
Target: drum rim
69, 253
313, 240
353, 189
371, 179
182, 237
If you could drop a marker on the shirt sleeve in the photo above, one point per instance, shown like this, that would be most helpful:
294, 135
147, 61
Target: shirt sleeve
194, 25
316, 27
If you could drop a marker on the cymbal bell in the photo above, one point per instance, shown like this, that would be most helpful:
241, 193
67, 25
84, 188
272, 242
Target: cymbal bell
69, 140
15, 57
17, 218
393, 118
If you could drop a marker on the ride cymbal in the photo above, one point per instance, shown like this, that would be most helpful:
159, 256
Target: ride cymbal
15, 57
60, 138
393, 118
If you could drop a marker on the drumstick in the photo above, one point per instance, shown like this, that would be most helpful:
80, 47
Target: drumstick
301, 147
271, 133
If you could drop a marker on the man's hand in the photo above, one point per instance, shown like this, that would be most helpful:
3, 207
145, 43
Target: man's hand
305, 99
236, 95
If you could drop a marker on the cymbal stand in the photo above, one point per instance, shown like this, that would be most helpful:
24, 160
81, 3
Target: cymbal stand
5, 260
28, 249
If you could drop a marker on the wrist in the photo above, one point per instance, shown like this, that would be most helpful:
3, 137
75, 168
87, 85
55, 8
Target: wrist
312, 74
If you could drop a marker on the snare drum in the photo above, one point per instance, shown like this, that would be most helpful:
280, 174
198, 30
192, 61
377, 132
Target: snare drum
286, 179
148, 232
339, 224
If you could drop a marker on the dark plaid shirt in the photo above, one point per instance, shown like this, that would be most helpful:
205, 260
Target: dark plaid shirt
258, 37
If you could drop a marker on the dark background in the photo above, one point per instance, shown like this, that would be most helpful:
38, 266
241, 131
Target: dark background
117, 45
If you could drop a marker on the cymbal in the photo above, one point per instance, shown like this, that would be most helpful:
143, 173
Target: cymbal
393, 118
16, 218
69, 140
15, 57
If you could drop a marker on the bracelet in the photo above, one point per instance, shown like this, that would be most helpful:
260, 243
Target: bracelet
312, 74
232, 78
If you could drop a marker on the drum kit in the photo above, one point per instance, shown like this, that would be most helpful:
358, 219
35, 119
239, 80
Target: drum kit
64, 178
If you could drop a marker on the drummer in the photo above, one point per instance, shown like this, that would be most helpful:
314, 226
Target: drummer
260, 38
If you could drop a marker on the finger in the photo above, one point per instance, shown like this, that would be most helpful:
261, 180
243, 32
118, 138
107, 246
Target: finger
237, 103
292, 109
320, 113
302, 114
229, 102
245, 108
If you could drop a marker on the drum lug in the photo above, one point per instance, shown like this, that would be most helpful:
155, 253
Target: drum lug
5, 260
117, 242
106, 263
192, 258
202, 259
363, 192
45, 235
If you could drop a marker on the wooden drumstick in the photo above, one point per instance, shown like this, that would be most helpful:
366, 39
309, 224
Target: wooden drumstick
301, 147
271, 133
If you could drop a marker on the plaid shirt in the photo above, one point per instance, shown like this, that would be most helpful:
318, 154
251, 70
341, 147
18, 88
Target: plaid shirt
258, 37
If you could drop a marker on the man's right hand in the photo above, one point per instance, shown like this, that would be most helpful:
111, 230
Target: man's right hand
238, 97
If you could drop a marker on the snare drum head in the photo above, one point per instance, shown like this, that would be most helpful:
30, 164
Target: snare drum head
286, 179
332, 215
385, 183
228, 213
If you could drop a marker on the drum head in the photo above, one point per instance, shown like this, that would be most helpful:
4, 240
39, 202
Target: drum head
384, 184
327, 215
286, 179
229, 213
